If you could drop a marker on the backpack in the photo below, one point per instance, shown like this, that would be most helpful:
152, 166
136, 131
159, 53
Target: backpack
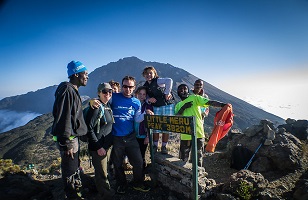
101, 115
240, 157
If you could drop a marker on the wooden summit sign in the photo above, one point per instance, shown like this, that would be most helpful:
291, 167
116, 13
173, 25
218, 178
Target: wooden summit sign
177, 124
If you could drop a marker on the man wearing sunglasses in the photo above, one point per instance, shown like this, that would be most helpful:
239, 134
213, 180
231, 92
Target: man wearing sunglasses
127, 109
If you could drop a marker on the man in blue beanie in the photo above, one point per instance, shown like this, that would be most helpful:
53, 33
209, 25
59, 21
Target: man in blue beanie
68, 125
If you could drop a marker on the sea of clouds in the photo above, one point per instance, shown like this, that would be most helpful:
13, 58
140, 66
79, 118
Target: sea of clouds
12, 119
286, 109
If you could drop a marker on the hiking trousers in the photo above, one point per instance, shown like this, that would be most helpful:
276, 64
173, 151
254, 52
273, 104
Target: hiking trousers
100, 164
70, 171
127, 145
185, 149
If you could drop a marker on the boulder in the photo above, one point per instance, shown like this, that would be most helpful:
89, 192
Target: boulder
245, 179
298, 128
301, 188
22, 185
276, 147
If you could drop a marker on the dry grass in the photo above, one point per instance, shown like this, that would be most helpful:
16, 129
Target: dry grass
7, 166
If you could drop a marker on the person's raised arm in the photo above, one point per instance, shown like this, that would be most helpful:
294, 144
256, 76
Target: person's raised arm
215, 103
95, 103
167, 83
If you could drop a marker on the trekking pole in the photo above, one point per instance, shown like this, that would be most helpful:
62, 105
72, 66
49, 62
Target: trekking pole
250, 161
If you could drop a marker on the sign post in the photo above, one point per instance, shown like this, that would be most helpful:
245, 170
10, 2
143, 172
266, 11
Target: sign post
176, 124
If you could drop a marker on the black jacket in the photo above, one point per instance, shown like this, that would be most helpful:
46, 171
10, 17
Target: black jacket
153, 90
67, 113
102, 137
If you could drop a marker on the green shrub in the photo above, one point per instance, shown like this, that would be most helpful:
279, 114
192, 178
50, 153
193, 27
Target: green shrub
245, 191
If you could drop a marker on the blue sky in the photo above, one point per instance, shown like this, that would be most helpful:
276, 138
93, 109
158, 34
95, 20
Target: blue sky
256, 50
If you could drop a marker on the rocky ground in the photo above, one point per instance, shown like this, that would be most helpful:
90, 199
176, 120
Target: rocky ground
217, 167
279, 184
36, 186
216, 164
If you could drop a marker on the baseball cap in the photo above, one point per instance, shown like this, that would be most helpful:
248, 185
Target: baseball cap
103, 86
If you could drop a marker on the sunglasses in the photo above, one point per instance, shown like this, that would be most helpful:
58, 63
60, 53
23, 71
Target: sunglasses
128, 86
106, 91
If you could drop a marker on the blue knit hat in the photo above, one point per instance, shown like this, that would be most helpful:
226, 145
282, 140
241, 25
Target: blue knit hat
75, 67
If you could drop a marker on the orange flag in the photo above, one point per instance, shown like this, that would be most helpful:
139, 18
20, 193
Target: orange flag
223, 122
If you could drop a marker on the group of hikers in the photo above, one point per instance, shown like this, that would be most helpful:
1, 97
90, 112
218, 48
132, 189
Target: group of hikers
114, 126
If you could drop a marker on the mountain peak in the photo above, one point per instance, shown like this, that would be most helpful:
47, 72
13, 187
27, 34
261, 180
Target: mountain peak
42, 100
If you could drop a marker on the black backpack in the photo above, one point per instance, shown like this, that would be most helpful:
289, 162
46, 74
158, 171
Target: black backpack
240, 157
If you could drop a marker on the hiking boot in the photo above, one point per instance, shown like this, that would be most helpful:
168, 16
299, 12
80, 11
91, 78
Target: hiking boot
121, 189
142, 188
164, 150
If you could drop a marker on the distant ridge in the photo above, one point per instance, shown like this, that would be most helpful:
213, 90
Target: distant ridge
41, 101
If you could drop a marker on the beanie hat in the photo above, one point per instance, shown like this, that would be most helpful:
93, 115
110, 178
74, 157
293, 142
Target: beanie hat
75, 67
103, 86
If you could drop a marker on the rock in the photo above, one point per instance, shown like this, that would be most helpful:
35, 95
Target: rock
301, 188
300, 123
225, 197
290, 121
21, 186
267, 122
298, 128
301, 193
270, 134
253, 182
281, 130
262, 164
268, 142
284, 148
253, 130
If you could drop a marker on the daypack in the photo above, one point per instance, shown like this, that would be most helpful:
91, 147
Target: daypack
240, 157
100, 116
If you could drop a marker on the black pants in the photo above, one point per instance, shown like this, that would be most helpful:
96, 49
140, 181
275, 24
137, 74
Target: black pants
127, 145
70, 174
185, 148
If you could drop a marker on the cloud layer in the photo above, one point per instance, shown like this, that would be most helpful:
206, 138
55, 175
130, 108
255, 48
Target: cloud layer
12, 119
